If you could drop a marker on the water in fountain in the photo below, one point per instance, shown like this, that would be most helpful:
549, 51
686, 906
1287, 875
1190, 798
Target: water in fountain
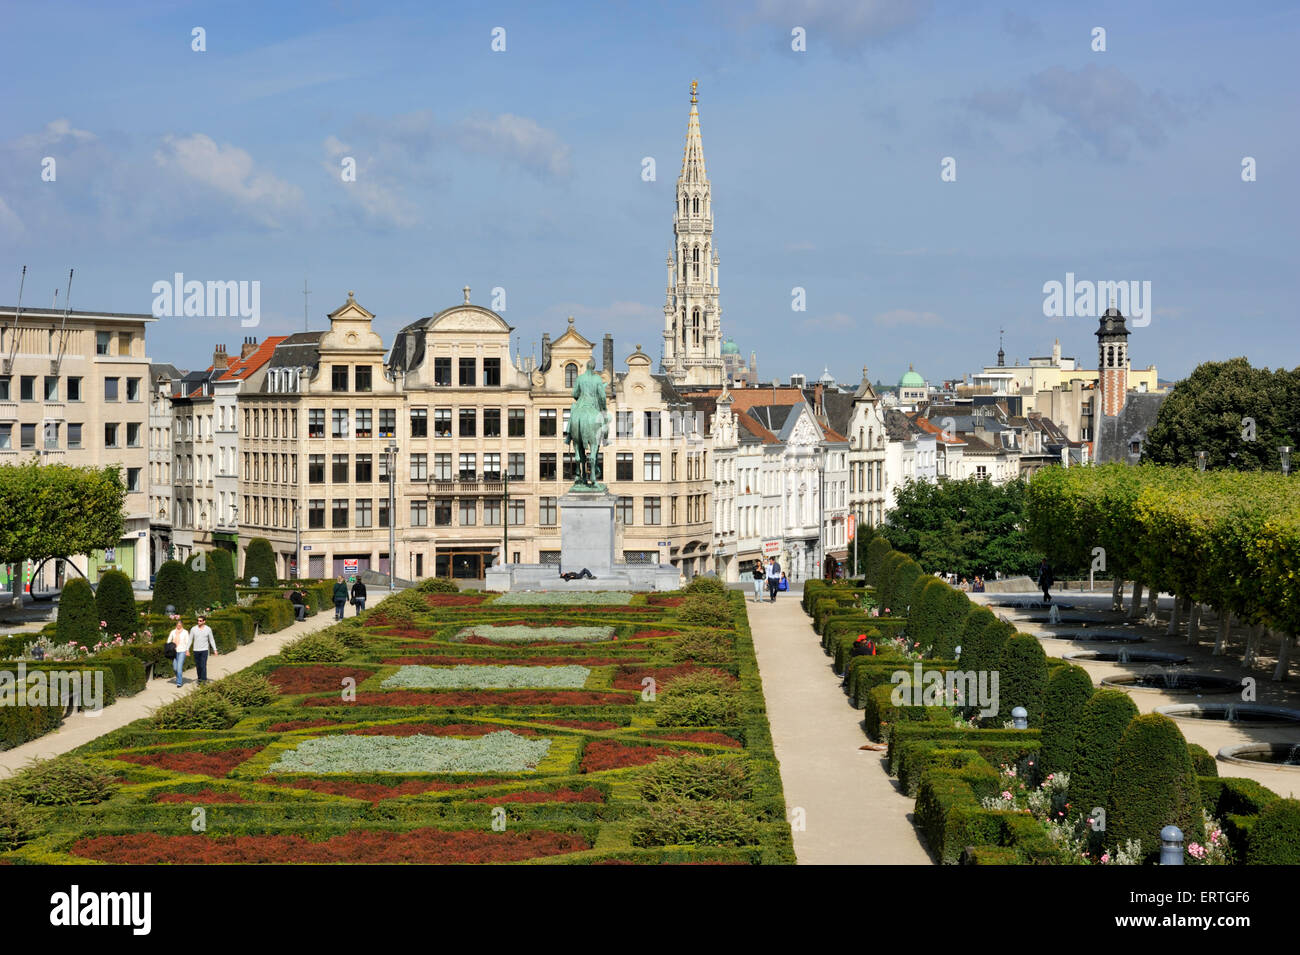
1122, 656
1054, 615
1293, 756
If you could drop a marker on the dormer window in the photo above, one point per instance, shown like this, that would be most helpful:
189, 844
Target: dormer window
570, 374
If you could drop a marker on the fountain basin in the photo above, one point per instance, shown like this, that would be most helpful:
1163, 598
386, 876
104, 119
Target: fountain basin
1068, 618
1096, 636
1125, 655
1282, 756
1030, 604
1239, 714
1174, 682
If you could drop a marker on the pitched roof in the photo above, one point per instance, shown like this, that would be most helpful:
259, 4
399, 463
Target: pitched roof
240, 368
299, 350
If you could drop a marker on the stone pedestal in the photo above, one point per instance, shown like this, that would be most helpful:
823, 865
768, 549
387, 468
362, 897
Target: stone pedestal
587, 533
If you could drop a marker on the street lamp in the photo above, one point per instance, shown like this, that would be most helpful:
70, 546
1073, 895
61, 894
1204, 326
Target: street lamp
1200, 461
1285, 452
391, 453
297, 533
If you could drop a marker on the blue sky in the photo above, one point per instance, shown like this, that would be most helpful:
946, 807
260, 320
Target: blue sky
522, 169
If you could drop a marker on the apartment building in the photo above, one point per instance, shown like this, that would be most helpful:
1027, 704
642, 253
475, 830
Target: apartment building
162, 379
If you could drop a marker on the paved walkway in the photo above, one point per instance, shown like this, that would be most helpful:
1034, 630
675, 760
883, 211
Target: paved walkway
853, 813
81, 728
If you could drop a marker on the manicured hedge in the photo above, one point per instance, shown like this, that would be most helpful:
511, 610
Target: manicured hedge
78, 620
1105, 717
259, 562
997, 746
1023, 680
1275, 836
1068, 691
115, 604
1154, 785
171, 588
1206, 764
877, 551
223, 564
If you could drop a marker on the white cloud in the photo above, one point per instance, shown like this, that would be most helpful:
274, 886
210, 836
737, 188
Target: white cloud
835, 321
518, 139
54, 133
907, 317
379, 205
597, 318
231, 172
845, 27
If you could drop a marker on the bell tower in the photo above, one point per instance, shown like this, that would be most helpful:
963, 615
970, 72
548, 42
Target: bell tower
1112, 364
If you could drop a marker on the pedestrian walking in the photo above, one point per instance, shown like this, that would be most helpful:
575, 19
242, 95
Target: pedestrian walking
179, 640
773, 580
359, 595
340, 597
1045, 579
759, 577
202, 642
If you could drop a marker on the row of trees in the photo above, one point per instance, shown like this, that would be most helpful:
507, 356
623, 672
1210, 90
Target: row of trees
1228, 539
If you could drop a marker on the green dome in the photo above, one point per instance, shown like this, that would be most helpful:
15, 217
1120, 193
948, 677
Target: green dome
730, 348
911, 379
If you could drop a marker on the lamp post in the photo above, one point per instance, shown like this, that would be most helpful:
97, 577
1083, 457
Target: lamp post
1285, 452
1200, 461
505, 516
297, 533
391, 452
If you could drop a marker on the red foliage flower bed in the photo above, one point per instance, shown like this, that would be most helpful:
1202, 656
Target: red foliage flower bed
657, 601
315, 678
454, 600
590, 794
507, 661
377, 792
703, 736
435, 729
420, 845
608, 754
298, 725
630, 677
202, 796
653, 634
217, 763
585, 724
485, 698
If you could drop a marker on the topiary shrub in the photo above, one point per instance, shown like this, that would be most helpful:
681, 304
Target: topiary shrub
705, 585
978, 618
62, 781
1154, 785
1022, 679
1275, 837
259, 562
877, 551
696, 823
171, 587
1206, 765
1105, 717
115, 604
703, 646
1068, 691
706, 610
984, 651
314, 648
906, 573
705, 698
719, 777
204, 709
19, 823
246, 688
222, 564
943, 611
78, 620
438, 585
204, 588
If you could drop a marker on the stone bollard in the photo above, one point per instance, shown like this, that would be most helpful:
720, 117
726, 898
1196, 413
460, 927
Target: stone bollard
1171, 846
253, 581
1020, 718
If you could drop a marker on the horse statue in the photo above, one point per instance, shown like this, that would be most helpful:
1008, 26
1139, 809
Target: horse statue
588, 427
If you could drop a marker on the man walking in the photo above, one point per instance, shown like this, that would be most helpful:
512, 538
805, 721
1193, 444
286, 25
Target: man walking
773, 580
1045, 579
202, 641
359, 595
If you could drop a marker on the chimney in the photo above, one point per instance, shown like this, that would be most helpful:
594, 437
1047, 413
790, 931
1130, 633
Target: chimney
249, 346
546, 349
219, 360
818, 390
608, 353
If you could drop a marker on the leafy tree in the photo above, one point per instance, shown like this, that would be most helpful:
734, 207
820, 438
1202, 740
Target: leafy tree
171, 587
1208, 411
53, 510
259, 562
964, 527
78, 620
115, 603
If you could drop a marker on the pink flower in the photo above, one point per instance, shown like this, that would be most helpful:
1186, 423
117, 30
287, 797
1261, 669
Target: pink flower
1105, 856
103, 623
1005, 794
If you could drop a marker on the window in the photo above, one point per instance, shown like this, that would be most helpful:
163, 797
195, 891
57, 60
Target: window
133, 479
51, 388
468, 512
623, 510
442, 466
315, 423
124, 343
491, 467
623, 426
339, 377
420, 422
132, 434
492, 512
51, 435
27, 388
546, 422
340, 516
364, 507
74, 436
515, 514
419, 513
468, 472
652, 467
653, 510
339, 469
7, 436
442, 512
4, 387
652, 429
468, 422
27, 435
315, 514
133, 389
387, 422
546, 467
361, 381
363, 423
570, 374
339, 420
383, 467
467, 372
442, 371
570, 467
515, 470
110, 435
383, 512
102, 340
515, 418
364, 471
546, 511
419, 467
491, 372
315, 469
623, 466
491, 422
442, 422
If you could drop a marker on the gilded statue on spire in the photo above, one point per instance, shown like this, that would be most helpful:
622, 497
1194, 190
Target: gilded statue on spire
695, 85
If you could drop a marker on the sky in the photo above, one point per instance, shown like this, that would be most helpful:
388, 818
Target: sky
920, 170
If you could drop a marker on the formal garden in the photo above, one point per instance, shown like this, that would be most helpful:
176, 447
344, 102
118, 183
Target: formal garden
1087, 779
441, 726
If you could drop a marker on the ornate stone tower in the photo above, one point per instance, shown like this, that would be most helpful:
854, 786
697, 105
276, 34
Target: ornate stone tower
1112, 363
692, 336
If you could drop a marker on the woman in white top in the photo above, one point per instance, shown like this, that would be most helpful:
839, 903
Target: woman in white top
181, 638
